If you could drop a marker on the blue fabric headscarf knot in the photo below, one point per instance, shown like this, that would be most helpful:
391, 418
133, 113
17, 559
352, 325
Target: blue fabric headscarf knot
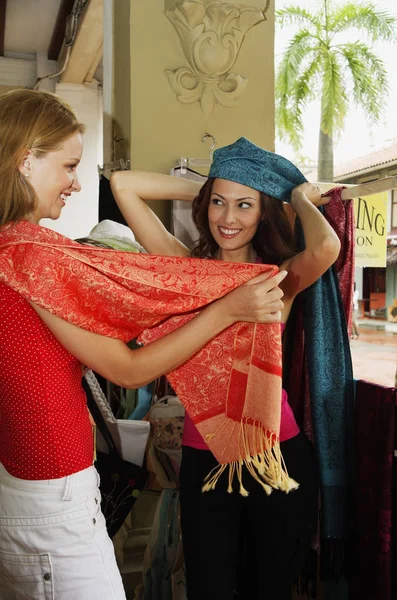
250, 165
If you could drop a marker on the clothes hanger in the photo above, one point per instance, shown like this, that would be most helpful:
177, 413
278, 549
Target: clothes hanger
117, 165
184, 162
184, 169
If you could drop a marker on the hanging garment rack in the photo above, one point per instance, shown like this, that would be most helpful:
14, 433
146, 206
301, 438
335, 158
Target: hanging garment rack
184, 162
372, 187
117, 165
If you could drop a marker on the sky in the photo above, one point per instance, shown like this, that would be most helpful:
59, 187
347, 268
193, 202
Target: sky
359, 137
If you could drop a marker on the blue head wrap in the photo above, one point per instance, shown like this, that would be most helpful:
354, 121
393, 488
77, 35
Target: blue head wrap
250, 165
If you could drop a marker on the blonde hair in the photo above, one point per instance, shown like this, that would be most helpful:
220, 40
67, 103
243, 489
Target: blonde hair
35, 121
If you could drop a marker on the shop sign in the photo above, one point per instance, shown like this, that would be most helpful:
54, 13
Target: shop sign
371, 238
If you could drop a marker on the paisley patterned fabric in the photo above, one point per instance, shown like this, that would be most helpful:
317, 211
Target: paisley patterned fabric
231, 388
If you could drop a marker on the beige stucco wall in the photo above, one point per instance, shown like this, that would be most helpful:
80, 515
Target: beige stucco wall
121, 101
162, 128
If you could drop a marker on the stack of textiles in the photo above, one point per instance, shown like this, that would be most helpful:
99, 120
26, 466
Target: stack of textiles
116, 236
374, 549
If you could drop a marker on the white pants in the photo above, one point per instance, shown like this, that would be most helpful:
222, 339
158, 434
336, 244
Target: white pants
53, 540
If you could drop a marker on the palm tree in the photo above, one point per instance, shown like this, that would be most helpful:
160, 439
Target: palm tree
318, 64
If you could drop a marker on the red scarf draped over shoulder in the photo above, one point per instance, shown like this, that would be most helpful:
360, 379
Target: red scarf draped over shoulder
231, 388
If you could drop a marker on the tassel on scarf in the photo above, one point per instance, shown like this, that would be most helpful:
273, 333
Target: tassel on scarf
265, 465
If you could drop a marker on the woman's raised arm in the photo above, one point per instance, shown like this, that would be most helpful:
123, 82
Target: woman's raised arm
322, 243
131, 189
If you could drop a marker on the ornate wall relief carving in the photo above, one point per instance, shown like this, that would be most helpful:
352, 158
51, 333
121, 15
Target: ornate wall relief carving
211, 35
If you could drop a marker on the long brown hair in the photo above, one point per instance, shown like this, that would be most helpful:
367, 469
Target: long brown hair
273, 241
29, 120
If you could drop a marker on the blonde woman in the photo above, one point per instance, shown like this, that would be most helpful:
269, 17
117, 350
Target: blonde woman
53, 539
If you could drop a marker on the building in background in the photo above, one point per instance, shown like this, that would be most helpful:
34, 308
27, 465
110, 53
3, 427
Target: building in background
377, 285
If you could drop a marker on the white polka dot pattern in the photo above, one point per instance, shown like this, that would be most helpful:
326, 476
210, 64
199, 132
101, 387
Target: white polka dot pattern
45, 430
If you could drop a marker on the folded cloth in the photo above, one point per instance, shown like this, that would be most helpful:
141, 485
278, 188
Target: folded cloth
115, 235
375, 428
236, 397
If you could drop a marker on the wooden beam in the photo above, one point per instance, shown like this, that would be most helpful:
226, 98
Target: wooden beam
3, 9
87, 48
94, 66
58, 34
372, 187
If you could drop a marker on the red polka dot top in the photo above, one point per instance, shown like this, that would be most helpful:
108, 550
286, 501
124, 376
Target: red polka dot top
45, 429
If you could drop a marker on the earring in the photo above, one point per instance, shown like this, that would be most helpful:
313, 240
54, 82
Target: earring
26, 174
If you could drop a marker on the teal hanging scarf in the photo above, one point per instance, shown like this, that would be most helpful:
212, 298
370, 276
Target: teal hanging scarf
319, 380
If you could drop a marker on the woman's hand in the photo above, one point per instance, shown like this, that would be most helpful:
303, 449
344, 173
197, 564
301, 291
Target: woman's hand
257, 301
307, 191
132, 189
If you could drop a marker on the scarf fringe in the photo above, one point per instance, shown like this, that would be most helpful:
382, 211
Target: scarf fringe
266, 466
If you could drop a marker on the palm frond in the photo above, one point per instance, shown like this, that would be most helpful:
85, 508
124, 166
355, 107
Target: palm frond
297, 51
377, 24
294, 15
288, 119
288, 122
368, 76
313, 60
289, 128
306, 87
334, 100
289, 116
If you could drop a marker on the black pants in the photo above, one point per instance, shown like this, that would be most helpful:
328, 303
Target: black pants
246, 547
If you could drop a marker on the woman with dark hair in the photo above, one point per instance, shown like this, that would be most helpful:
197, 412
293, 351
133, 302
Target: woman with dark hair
240, 216
273, 241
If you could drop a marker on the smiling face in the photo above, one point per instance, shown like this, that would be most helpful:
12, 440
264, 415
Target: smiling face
234, 213
54, 177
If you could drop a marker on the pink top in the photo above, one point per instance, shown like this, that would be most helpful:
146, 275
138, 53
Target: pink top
288, 427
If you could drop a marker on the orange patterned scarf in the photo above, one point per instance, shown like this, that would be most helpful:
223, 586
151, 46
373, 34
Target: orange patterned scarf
231, 388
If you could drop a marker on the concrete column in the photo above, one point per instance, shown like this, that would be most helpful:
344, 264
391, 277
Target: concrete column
108, 80
122, 96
